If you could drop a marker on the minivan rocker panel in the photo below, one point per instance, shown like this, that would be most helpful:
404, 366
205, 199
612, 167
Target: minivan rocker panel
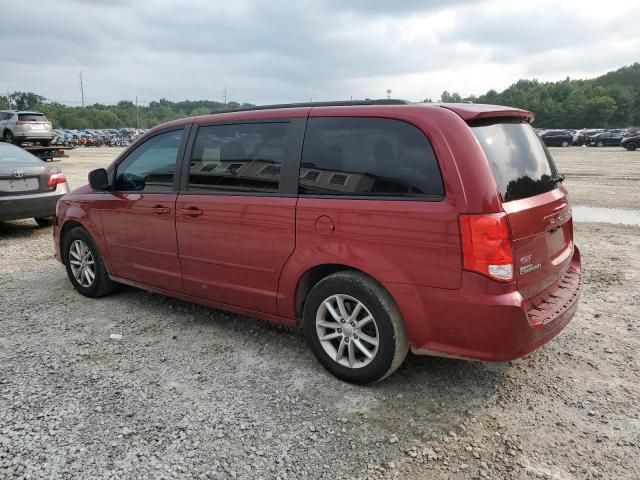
443, 228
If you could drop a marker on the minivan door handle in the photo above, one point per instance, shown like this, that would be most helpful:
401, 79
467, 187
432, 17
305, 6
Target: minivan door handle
191, 212
160, 210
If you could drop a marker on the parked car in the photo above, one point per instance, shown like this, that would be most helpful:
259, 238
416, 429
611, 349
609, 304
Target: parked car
557, 138
581, 137
605, 139
18, 127
631, 142
376, 226
29, 187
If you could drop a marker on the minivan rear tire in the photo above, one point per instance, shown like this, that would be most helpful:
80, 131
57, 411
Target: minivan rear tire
631, 146
392, 344
101, 285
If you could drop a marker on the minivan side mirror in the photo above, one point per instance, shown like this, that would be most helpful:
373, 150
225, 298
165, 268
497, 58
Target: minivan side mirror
98, 179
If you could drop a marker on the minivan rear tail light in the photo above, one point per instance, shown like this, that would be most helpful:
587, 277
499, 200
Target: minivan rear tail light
486, 245
55, 179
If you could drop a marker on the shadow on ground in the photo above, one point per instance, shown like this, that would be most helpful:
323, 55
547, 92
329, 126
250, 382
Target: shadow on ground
20, 229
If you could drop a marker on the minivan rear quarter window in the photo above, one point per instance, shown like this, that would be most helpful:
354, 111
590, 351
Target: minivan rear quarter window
521, 164
375, 157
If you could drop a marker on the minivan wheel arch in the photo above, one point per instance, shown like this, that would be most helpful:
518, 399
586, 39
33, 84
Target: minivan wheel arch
314, 275
66, 228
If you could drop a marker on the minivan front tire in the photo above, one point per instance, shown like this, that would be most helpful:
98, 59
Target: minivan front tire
85, 268
354, 328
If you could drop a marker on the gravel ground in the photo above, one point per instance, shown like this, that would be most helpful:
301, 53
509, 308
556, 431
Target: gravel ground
194, 392
613, 171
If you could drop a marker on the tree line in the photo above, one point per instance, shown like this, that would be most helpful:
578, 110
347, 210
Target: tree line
123, 114
611, 100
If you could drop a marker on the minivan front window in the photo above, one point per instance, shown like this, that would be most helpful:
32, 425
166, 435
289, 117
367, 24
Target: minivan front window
151, 166
521, 164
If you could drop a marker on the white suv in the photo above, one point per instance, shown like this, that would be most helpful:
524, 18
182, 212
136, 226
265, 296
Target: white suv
18, 127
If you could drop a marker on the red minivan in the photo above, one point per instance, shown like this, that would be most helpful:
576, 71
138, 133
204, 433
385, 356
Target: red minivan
378, 226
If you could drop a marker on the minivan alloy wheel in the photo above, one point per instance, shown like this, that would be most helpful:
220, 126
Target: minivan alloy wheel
82, 263
347, 331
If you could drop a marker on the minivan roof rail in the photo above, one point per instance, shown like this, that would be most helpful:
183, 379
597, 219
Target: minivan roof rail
338, 103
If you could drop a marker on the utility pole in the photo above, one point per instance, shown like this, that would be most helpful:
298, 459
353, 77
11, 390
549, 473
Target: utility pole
137, 114
82, 89
9, 99
225, 96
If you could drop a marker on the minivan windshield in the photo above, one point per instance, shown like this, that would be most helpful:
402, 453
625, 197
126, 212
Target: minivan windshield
521, 164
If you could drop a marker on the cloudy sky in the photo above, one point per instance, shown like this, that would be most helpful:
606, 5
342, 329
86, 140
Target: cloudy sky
282, 51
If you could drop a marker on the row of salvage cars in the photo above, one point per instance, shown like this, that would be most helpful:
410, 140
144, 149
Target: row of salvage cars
628, 138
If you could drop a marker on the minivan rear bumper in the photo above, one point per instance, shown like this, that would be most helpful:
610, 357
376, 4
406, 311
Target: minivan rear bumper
481, 320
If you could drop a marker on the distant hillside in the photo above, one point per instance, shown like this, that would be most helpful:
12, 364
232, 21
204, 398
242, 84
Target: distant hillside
611, 100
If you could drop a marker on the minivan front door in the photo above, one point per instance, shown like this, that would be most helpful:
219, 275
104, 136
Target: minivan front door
138, 216
235, 223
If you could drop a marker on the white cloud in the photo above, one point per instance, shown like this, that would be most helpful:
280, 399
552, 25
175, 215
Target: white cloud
267, 52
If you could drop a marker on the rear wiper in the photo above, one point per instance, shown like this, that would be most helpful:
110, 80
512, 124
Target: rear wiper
557, 179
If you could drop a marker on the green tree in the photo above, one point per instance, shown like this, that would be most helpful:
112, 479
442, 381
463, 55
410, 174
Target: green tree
446, 97
611, 100
26, 100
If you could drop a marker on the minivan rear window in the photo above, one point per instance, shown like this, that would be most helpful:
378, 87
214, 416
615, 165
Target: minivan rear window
31, 117
521, 164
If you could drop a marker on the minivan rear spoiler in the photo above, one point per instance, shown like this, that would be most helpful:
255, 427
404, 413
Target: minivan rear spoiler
471, 112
